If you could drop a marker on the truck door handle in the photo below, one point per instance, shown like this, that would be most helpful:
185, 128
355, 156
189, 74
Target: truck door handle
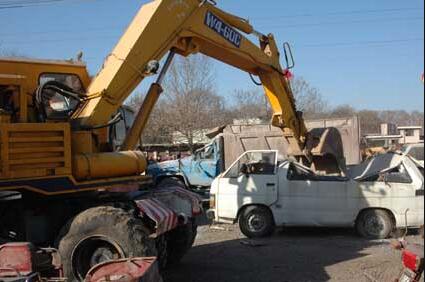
271, 184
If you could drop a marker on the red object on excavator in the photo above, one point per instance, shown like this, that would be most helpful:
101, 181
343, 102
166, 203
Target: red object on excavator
25, 262
288, 74
16, 259
128, 270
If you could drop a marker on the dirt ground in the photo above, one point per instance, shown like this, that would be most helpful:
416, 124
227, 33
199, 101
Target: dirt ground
222, 253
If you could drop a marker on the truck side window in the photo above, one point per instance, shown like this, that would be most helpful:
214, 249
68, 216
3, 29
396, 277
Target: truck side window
254, 163
396, 175
296, 173
207, 153
262, 164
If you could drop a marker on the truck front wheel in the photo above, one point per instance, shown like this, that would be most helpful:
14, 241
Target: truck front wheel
256, 222
101, 234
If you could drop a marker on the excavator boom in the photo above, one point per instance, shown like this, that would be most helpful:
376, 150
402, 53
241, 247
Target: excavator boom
188, 27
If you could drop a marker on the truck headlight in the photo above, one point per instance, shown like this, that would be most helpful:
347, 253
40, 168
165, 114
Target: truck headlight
212, 201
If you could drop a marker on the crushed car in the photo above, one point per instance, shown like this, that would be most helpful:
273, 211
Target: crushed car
260, 192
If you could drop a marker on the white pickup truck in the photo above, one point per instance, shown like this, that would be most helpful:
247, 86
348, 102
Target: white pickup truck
376, 197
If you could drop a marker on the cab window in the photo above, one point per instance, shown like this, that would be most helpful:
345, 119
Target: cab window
296, 173
118, 131
299, 173
206, 153
254, 163
70, 80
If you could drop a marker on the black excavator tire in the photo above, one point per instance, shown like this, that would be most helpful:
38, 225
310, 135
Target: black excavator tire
122, 229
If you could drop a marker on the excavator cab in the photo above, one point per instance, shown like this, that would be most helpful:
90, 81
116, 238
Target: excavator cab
23, 97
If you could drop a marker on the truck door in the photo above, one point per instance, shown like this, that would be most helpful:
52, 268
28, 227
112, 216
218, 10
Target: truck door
252, 179
204, 167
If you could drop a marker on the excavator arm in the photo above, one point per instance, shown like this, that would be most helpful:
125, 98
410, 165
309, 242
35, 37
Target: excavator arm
188, 27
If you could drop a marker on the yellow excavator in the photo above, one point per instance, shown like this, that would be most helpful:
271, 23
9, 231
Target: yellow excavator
63, 183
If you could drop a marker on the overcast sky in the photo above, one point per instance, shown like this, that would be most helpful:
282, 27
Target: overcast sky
366, 53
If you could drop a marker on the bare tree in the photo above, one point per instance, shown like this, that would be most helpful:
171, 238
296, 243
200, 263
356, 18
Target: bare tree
308, 99
251, 104
191, 102
370, 122
342, 111
417, 118
10, 53
158, 130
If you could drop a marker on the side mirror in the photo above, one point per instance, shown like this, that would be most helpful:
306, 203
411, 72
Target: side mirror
244, 169
289, 58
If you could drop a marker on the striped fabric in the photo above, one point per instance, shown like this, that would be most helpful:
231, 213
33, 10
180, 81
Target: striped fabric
164, 217
195, 199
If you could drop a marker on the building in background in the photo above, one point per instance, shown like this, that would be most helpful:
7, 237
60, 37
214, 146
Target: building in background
389, 129
393, 136
389, 137
410, 134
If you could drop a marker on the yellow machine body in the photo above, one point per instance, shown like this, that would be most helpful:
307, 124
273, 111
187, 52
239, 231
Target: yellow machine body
193, 26
50, 158
73, 155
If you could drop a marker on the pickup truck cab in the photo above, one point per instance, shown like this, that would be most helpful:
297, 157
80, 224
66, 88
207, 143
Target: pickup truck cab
195, 172
261, 192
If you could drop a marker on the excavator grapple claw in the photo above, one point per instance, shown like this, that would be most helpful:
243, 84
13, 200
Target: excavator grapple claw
325, 147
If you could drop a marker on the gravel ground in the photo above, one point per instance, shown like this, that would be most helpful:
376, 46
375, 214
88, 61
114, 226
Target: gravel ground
222, 253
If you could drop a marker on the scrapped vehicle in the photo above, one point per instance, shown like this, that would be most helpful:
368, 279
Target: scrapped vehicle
416, 151
260, 192
197, 172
